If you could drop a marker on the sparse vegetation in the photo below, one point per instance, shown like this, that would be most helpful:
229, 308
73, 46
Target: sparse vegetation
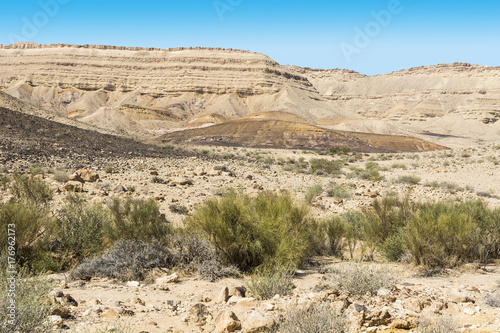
32, 307
313, 192
361, 279
327, 166
338, 191
411, 180
314, 318
267, 282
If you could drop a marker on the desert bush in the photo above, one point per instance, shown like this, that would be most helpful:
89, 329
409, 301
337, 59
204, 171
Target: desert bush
312, 192
338, 191
493, 299
354, 223
371, 172
248, 232
109, 169
31, 227
313, 318
334, 230
178, 209
31, 295
399, 166
61, 176
437, 325
392, 247
408, 179
4, 181
266, 282
31, 190
361, 279
339, 150
445, 234
327, 166
136, 219
80, 227
126, 260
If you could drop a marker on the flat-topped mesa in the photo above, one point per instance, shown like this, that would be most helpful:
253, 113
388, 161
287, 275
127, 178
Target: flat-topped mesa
145, 70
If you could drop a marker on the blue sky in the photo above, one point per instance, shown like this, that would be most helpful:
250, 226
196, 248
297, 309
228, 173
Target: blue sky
371, 37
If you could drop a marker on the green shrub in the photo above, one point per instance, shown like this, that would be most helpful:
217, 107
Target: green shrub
312, 192
31, 190
326, 166
136, 219
353, 226
314, 318
334, 230
361, 279
412, 180
248, 232
399, 166
392, 248
109, 169
31, 226
80, 227
339, 150
32, 306
267, 282
338, 191
444, 234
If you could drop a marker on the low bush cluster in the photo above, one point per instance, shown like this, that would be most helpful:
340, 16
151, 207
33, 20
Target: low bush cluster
252, 231
359, 279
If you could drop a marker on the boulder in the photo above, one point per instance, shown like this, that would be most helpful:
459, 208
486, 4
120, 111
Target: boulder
73, 186
226, 321
87, 175
257, 323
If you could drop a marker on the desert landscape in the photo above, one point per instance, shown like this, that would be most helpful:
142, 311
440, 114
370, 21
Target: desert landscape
215, 190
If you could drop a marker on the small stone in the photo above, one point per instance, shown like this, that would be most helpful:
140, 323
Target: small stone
69, 300
61, 311
133, 284
238, 291
126, 312
162, 282
110, 314
137, 300
223, 296
55, 320
58, 294
470, 311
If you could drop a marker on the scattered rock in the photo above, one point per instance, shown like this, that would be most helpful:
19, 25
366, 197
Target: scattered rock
199, 312
133, 284
226, 321
223, 295
256, 323
73, 186
164, 281
62, 311
110, 314
69, 300
55, 320
137, 300
238, 291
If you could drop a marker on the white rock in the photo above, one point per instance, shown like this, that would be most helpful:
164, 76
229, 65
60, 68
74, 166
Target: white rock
133, 284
